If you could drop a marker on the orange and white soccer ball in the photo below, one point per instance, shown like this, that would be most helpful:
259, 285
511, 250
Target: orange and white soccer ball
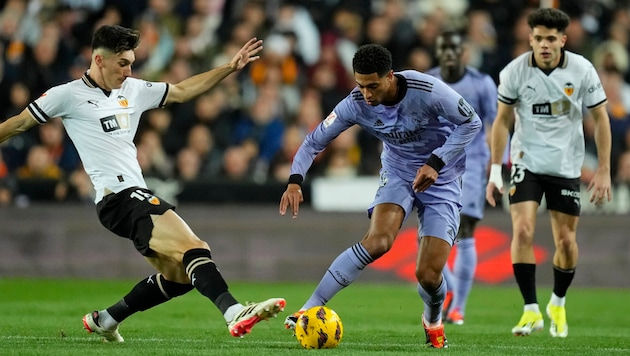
319, 328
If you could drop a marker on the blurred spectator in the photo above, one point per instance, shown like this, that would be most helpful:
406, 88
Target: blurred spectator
61, 150
236, 164
343, 154
154, 161
39, 174
7, 184
296, 21
611, 61
187, 165
280, 167
259, 131
16, 149
278, 67
481, 40
156, 48
200, 141
419, 58
81, 187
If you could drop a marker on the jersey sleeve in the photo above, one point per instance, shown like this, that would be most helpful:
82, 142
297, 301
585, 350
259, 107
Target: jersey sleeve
151, 94
53, 103
507, 91
594, 94
454, 108
316, 141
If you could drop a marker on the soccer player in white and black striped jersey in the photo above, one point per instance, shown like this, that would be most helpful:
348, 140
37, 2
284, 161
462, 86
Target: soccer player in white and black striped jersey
101, 113
546, 89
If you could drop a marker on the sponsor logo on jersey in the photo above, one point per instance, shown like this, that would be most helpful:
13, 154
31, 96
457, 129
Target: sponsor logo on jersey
378, 123
560, 107
592, 88
330, 119
116, 122
93, 102
122, 101
568, 88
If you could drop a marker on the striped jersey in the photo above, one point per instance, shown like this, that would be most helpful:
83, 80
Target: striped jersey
102, 127
430, 118
548, 135
480, 91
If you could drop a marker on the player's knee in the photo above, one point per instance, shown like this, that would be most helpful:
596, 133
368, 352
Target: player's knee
429, 279
377, 244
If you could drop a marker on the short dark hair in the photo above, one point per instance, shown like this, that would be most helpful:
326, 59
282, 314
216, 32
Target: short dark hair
372, 58
115, 38
550, 18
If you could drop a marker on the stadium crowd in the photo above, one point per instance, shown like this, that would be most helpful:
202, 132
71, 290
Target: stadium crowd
248, 128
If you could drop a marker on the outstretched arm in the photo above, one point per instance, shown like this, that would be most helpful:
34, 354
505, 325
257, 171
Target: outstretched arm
16, 125
200, 83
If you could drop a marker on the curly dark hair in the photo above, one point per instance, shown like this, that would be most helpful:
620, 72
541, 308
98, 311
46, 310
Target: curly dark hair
550, 18
372, 58
115, 38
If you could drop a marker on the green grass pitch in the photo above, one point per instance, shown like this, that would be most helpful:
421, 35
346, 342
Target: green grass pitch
43, 317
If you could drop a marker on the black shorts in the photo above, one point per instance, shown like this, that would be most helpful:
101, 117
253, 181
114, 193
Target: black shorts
128, 214
561, 194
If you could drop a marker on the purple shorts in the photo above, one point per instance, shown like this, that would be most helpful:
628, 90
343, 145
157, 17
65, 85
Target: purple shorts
438, 207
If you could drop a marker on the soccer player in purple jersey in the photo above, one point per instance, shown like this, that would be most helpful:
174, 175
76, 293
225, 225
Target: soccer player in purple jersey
424, 126
481, 92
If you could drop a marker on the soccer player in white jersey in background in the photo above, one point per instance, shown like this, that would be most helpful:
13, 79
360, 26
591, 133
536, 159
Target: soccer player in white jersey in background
101, 113
547, 89
480, 91
425, 126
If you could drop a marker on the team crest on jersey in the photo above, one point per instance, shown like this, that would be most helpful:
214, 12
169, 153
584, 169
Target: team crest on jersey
122, 101
330, 119
154, 200
568, 89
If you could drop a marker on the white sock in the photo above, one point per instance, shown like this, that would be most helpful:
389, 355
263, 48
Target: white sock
557, 301
532, 307
106, 321
232, 311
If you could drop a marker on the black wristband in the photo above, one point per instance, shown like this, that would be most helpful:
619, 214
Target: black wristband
296, 179
435, 162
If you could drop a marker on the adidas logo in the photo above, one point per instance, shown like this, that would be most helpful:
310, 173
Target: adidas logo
378, 123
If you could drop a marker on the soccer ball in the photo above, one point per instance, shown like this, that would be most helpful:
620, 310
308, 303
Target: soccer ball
319, 328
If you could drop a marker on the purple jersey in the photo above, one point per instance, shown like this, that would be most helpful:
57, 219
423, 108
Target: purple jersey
481, 92
431, 118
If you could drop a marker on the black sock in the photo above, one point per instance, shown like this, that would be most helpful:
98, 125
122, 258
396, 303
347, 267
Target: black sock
562, 279
205, 276
525, 274
148, 293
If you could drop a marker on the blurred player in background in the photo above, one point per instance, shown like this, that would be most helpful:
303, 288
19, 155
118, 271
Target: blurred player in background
425, 126
480, 91
101, 113
547, 89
